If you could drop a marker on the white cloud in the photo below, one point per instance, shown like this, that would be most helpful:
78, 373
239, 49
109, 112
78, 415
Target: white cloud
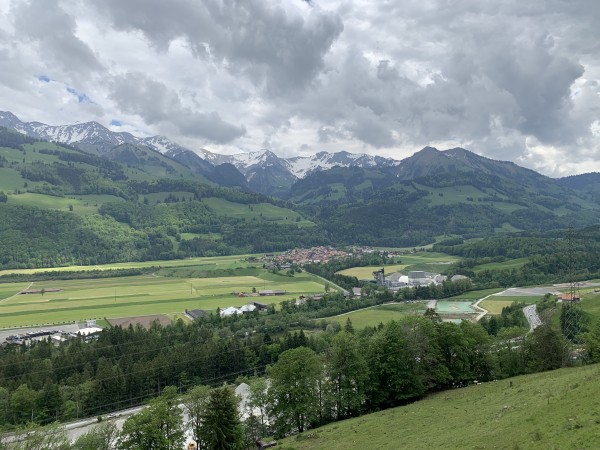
510, 80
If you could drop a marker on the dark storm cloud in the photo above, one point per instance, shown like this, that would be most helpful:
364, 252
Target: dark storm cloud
275, 49
135, 93
53, 29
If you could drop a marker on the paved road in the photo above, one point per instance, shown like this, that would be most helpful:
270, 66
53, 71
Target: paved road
532, 317
76, 429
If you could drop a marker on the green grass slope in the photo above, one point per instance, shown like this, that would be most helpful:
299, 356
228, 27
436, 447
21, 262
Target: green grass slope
551, 410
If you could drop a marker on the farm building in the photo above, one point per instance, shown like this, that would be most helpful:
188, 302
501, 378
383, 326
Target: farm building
260, 306
458, 277
568, 297
248, 308
197, 313
270, 292
231, 311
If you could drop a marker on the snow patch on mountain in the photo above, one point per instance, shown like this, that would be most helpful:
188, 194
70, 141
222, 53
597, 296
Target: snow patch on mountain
248, 163
298, 166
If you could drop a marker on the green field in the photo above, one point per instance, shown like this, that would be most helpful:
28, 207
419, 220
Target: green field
454, 307
495, 303
141, 295
366, 273
590, 303
550, 410
494, 307
82, 204
476, 295
427, 261
450, 195
262, 211
372, 317
10, 289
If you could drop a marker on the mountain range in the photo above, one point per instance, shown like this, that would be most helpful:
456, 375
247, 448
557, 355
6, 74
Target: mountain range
262, 171
172, 202
267, 173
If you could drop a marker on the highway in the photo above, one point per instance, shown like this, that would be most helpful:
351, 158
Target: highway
532, 317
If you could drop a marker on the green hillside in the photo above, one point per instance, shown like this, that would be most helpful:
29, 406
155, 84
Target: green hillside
434, 193
62, 206
550, 410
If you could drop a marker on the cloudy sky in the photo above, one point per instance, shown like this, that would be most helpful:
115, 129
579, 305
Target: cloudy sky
512, 79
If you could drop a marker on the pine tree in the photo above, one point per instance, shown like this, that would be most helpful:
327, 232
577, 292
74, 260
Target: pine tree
221, 428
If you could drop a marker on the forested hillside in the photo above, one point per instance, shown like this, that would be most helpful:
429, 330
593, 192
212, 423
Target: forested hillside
158, 208
62, 206
549, 257
434, 193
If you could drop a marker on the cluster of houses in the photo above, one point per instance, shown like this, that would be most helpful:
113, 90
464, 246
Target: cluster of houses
321, 254
300, 256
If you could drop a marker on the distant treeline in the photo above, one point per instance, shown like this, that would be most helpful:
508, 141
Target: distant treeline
75, 274
552, 257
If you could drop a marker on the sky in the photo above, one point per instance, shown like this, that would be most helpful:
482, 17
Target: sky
510, 80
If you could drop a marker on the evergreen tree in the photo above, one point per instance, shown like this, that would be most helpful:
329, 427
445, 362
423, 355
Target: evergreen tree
349, 328
221, 427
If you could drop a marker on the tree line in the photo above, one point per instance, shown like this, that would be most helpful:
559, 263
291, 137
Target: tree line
333, 376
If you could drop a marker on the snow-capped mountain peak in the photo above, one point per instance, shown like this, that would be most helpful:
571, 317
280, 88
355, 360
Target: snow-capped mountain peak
263, 169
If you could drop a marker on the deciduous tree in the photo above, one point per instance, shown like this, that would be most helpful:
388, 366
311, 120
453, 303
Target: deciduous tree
294, 391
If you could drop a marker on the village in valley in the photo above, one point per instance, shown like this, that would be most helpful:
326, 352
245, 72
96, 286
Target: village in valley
295, 259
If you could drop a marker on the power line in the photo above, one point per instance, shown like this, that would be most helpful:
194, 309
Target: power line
571, 314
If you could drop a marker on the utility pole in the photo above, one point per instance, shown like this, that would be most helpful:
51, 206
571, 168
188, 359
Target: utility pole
571, 313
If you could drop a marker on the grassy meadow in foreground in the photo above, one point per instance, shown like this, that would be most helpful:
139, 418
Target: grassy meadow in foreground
141, 295
550, 410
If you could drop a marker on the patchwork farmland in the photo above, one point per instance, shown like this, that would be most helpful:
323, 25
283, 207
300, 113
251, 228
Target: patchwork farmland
140, 295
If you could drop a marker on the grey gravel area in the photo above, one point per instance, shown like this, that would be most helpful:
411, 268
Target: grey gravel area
525, 292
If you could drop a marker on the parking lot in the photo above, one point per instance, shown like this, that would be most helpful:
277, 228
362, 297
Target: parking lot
64, 328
